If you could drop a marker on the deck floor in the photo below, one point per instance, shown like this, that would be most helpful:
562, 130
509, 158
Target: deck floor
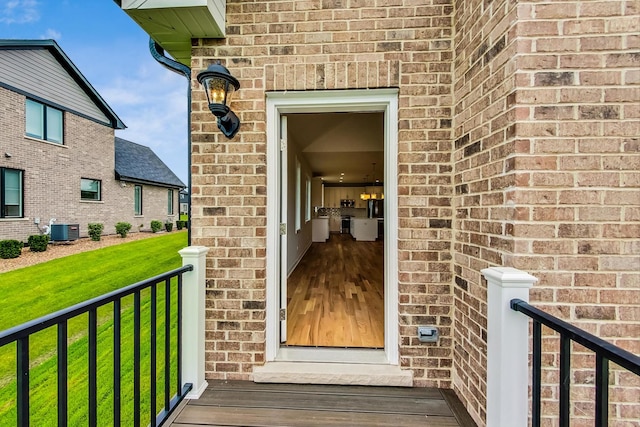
243, 403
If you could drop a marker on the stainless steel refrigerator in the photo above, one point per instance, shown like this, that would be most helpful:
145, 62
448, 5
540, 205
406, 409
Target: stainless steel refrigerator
375, 208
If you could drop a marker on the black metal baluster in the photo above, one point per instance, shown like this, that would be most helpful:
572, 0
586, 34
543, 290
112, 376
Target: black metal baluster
565, 379
63, 405
153, 367
136, 359
602, 391
117, 362
536, 375
22, 349
93, 367
167, 344
179, 337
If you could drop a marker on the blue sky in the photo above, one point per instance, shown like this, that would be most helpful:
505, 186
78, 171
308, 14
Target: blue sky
112, 52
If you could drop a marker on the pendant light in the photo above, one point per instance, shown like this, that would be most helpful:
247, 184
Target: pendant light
373, 195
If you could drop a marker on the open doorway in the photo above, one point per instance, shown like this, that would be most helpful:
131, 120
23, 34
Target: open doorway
289, 221
333, 208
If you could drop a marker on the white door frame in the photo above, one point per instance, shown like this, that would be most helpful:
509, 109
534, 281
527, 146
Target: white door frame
384, 100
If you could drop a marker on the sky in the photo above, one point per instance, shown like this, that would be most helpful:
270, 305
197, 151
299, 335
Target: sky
112, 52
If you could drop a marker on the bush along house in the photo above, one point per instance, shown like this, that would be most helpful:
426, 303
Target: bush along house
394, 160
60, 161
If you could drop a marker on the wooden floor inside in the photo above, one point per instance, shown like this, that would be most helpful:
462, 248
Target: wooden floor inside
243, 403
336, 295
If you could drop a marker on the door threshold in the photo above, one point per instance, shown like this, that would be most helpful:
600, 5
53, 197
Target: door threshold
338, 366
363, 374
332, 355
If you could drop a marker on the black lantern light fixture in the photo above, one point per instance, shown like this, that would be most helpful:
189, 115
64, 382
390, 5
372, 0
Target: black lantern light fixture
219, 86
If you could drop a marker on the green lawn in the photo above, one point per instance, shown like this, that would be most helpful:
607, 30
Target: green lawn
41, 289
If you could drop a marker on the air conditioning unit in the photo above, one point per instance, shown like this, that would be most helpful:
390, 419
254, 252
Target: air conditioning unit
65, 232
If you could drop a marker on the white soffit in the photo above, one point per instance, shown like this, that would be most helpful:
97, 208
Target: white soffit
173, 23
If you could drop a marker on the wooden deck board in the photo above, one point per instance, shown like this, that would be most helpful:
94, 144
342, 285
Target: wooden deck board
243, 403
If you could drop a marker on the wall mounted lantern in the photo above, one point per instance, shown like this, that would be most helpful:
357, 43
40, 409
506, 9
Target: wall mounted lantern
219, 86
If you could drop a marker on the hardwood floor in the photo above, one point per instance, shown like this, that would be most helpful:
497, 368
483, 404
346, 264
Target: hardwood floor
243, 403
336, 295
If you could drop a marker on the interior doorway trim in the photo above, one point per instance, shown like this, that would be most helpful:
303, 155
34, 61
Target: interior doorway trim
383, 100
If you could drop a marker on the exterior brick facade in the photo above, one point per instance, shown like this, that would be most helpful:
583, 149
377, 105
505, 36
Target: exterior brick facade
517, 146
52, 175
546, 178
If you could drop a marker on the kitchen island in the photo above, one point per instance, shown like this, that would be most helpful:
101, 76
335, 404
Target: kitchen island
364, 229
320, 229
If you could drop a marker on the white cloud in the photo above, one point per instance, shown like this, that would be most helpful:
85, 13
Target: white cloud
52, 34
152, 102
19, 11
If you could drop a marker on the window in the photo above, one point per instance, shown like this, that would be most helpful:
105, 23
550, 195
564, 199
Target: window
307, 214
90, 189
170, 202
298, 195
44, 122
137, 200
11, 196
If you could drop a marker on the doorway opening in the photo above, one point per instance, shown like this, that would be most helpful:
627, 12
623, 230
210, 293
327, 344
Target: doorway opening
335, 229
335, 295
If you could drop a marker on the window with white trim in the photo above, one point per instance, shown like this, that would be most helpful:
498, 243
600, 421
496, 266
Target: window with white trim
298, 195
11, 193
44, 122
307, 213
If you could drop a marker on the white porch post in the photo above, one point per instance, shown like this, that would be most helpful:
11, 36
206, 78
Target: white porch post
193, 316
507, 348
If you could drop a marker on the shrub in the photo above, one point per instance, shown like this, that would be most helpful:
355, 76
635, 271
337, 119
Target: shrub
38, 242
95, 231
10, 249
122, 228
168, 226
179, 225
156, 226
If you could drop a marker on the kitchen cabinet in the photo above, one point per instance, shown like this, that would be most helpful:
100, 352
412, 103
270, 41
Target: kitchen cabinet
316, 192
333, 195
360, 204
330, 197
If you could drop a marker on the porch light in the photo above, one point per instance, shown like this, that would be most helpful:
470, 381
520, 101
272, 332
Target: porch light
220, 85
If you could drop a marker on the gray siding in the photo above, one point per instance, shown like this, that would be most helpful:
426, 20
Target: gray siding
60, 88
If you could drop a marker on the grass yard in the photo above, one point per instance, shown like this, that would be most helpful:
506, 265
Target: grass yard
41, 289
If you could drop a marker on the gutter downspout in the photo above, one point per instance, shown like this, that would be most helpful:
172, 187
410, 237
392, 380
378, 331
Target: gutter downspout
158, 54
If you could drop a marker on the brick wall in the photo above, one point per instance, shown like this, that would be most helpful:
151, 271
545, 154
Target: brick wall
484, 143
317, 45
518, 146
52, 175
546, 175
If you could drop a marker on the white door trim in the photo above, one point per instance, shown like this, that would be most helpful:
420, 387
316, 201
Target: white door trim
385, 100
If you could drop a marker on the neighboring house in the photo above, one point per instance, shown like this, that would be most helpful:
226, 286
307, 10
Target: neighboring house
184, 203
57, 151
510, 138
155, 189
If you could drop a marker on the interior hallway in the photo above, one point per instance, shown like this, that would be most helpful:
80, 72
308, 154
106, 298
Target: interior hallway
335, 296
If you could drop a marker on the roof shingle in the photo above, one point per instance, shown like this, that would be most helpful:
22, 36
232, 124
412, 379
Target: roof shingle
137, 163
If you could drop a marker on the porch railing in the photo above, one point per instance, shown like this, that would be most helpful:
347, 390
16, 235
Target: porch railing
172, 394
605, 352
